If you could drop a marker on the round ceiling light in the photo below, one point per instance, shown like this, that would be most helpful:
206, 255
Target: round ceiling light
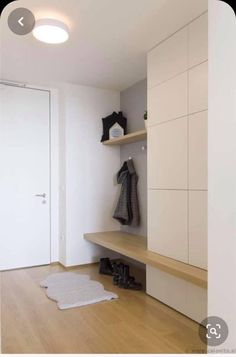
51, 31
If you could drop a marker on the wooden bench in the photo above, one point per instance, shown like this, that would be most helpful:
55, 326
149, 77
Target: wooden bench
135, 247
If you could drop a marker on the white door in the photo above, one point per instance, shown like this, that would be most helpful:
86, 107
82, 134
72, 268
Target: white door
24, 177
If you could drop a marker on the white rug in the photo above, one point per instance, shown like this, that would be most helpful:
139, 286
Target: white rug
73, 290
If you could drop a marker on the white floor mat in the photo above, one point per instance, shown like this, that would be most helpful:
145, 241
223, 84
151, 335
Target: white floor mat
73, 290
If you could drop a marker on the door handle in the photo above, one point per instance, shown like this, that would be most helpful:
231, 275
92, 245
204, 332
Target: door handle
43, 195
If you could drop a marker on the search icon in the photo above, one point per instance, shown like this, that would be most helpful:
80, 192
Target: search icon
213, 331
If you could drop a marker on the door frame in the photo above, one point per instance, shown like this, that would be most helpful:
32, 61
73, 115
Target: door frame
53, 162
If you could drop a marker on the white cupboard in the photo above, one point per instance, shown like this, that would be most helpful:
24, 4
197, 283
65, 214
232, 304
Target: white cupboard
168, 100
198, 92
177, 163
197, 204
167, 239
198, 40
168, 59
167, 157
197, 151
181, 295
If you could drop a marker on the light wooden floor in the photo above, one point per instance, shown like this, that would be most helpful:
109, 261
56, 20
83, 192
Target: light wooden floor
135, 323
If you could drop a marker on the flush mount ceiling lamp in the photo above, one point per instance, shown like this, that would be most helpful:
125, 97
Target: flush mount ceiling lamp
51, 31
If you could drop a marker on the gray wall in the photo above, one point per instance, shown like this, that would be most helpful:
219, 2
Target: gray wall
133, 105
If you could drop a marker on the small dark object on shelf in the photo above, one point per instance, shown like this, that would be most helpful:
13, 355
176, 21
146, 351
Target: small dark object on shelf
109, 121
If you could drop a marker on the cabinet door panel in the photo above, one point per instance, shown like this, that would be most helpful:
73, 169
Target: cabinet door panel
167, 155
198, 228
168, 100
198, 40
189, 299
198, 89
168, 59
198, 151
167, 223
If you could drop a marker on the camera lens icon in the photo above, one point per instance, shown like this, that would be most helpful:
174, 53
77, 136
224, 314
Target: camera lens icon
213, 331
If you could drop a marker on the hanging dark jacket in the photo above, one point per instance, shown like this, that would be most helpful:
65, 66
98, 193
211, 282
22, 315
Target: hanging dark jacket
127, 209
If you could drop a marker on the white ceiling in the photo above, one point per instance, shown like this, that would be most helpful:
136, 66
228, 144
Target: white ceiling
108, 41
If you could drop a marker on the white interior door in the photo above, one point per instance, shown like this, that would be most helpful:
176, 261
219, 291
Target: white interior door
25, 177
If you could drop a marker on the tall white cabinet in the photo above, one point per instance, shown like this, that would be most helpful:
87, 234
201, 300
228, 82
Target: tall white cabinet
177, 162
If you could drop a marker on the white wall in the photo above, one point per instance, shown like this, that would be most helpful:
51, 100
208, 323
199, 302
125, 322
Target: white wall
222, 168
87, 170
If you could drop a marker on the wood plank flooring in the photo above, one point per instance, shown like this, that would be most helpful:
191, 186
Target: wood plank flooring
135, 323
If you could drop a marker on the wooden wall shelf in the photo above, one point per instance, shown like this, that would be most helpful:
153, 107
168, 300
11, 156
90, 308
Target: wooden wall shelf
128, 138
135, 247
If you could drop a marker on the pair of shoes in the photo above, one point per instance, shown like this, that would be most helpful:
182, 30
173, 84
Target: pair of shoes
122, 278
117, 272
127, 281
105, 266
